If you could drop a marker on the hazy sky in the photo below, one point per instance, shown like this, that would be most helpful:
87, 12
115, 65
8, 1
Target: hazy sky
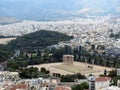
62, 7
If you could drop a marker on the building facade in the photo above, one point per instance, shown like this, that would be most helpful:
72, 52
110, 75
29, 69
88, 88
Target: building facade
102, 82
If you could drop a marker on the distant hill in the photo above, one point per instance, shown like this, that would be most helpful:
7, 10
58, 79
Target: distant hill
39, 39
7, 20
50, 9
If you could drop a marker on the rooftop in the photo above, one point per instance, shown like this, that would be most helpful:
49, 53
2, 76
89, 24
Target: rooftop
102, 79
19, 86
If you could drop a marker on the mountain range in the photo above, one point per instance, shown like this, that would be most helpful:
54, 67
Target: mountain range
8, 20
51, 9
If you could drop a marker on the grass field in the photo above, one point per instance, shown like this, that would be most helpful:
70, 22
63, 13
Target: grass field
74, 68
77, 67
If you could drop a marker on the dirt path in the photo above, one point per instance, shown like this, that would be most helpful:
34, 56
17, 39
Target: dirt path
5, 40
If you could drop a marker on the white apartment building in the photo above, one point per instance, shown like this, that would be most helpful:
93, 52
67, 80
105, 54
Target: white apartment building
99, 83
102, 82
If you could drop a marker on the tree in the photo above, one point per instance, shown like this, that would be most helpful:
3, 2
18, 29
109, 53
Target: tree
12, 65
114, 80
92, 47
43, 70
5, 53
105, 72
39, 53
112, 73
78, 87
71, 78
29, 73
81, 86
38, 40
85, 85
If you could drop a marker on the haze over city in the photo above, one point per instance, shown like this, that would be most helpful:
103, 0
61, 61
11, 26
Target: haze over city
59, 44
45, 9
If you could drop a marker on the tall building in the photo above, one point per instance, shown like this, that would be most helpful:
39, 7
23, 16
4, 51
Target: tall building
91, 83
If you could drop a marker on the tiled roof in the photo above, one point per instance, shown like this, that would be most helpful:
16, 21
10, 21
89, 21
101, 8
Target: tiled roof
102, 79
19, 86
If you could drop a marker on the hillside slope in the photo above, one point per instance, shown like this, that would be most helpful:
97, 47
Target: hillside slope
39, 39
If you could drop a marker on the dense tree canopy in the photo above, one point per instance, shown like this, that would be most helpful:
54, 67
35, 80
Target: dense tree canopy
29, 73
32, 73
39, 39
115, 35
81, 86
5, 53
71, 78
